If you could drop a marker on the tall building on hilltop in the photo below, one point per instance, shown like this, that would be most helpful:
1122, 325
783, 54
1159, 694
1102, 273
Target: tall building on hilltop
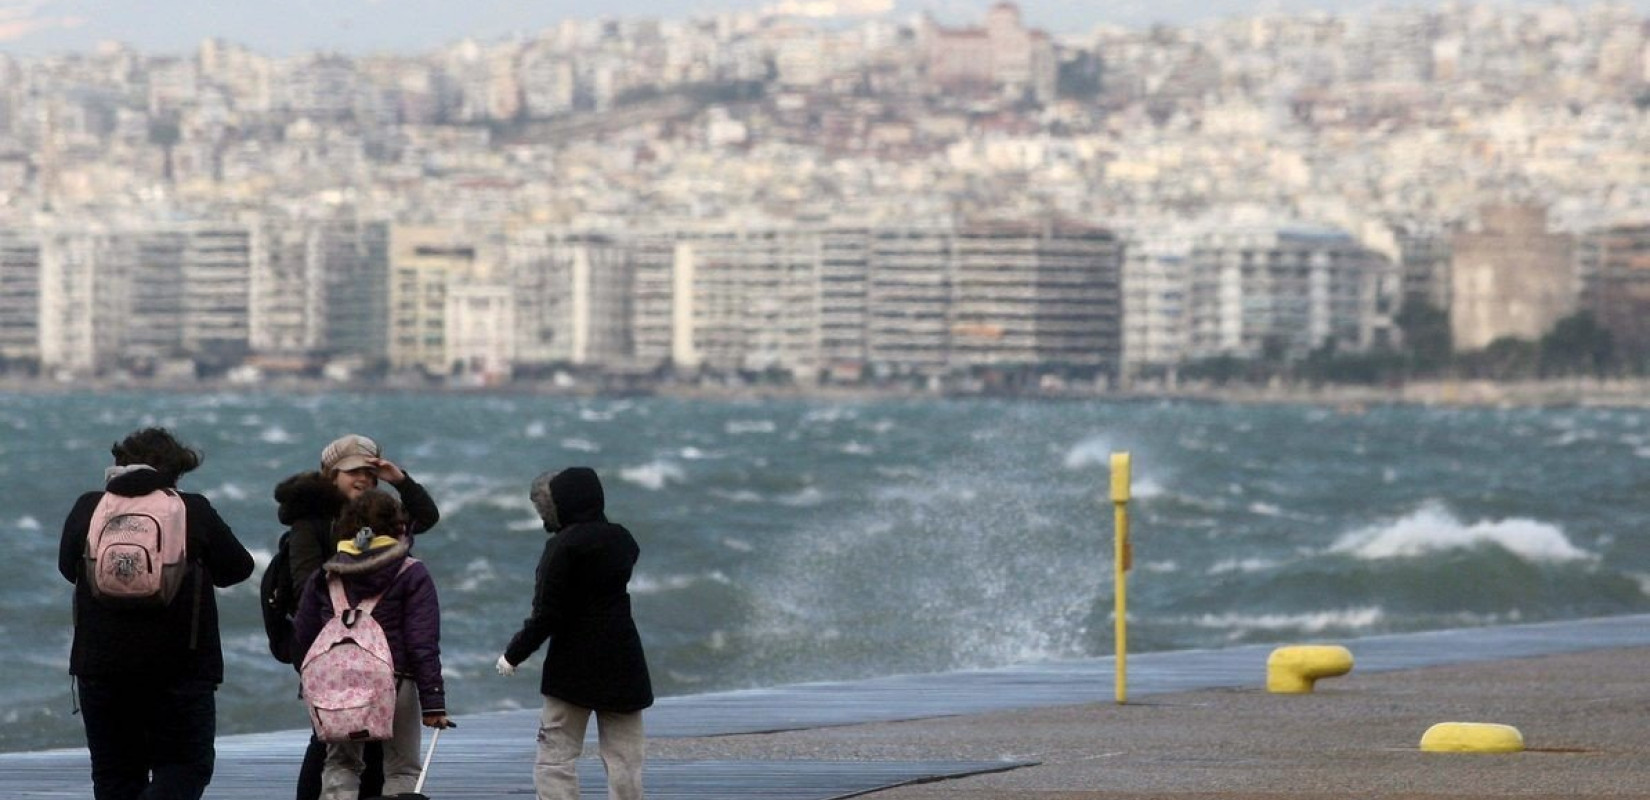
1509, 278
1002, 56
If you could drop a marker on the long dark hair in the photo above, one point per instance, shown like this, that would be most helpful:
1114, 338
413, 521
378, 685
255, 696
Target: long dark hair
158, 448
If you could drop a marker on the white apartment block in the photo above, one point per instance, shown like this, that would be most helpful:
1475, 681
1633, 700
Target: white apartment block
286, 314
1278, 292
844, 273
573, 295
755, 302
215, 285
19, 295
481, 331
1156, 289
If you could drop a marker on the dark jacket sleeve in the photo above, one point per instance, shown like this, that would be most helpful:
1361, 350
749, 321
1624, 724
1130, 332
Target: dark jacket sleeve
422, 514
226, 559
548, 602
422, 632
314, 609
72, 549
304, 549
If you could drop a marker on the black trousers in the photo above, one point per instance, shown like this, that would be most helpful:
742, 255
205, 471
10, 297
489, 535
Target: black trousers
149, 740
315, 759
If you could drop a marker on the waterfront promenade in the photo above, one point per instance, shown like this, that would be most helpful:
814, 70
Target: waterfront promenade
1198, 724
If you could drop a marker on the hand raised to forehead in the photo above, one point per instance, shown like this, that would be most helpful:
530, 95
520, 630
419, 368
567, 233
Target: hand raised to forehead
388, 472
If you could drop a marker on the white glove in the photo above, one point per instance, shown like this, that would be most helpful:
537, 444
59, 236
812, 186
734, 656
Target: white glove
505, 668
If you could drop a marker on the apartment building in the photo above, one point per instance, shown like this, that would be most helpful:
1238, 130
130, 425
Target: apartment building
1278, 292
908, 300
1036, 295
214, 282
1155, 285
427, 263
1619, 295
844, 274
573, 296
19, 296
319, 287
755, 298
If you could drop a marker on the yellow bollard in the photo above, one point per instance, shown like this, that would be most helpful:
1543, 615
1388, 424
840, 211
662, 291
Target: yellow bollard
1121, 561
1472, 737
1294, 669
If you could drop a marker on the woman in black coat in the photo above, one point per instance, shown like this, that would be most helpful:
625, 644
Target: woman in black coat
147, 677
581, 604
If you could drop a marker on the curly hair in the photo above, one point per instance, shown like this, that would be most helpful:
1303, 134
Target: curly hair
375, 510
158, 448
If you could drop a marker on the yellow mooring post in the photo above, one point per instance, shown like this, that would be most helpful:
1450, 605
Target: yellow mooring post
1122, 559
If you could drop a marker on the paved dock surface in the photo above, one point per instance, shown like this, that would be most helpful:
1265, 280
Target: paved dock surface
1197, 724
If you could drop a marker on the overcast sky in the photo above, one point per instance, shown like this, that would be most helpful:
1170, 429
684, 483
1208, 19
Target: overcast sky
283, 27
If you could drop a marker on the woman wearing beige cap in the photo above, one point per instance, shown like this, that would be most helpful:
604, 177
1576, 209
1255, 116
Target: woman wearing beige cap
310, 502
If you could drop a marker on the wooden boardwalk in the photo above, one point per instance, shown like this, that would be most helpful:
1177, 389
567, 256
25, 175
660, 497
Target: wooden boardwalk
491, 754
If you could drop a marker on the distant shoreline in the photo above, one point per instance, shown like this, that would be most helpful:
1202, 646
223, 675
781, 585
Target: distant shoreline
1612, 393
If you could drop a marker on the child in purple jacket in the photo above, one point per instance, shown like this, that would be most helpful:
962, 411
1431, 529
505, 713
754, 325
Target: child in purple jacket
371, 550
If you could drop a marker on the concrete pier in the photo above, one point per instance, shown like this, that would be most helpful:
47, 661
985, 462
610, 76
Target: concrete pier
1199, 724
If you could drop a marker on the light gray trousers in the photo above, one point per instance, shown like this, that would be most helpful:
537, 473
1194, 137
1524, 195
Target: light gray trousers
341, 777
561, 740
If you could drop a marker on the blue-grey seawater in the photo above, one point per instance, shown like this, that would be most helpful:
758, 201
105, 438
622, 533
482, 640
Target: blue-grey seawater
789, 540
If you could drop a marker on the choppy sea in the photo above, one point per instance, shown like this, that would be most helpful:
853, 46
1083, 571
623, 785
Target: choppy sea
795, 540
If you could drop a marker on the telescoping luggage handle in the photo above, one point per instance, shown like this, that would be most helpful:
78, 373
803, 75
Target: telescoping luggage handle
418, 788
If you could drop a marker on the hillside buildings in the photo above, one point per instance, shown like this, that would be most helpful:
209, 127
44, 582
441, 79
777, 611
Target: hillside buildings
867, 199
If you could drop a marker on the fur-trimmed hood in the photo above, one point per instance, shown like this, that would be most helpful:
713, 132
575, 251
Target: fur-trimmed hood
308, 495
370, 570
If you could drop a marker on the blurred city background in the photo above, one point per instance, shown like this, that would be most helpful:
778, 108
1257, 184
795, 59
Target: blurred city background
832, 193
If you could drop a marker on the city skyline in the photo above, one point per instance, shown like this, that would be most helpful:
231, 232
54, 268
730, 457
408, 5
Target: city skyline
44, 27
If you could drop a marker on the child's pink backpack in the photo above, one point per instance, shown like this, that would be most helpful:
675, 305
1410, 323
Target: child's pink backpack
348, 675
136, 548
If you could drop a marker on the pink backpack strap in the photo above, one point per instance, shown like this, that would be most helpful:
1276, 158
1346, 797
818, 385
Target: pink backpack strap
340, 603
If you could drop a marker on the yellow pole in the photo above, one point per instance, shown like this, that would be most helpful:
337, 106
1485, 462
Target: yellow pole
1122, 559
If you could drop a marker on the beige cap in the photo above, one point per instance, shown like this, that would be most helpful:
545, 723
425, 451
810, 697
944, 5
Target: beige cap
348, 452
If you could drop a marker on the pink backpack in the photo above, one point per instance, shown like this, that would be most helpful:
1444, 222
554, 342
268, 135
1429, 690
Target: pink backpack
136, 548
348, 675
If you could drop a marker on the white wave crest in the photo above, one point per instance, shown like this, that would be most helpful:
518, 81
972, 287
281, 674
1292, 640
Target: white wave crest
27, 523
1146, 489
653, 475
275, 434
647, 584
1308, 622
1242, 565
805, 498
738, 426
580, 445
737, 496
1432, 528
1090, 452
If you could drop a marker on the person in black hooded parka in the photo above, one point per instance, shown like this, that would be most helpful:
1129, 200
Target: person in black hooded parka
581, 604
147, 677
